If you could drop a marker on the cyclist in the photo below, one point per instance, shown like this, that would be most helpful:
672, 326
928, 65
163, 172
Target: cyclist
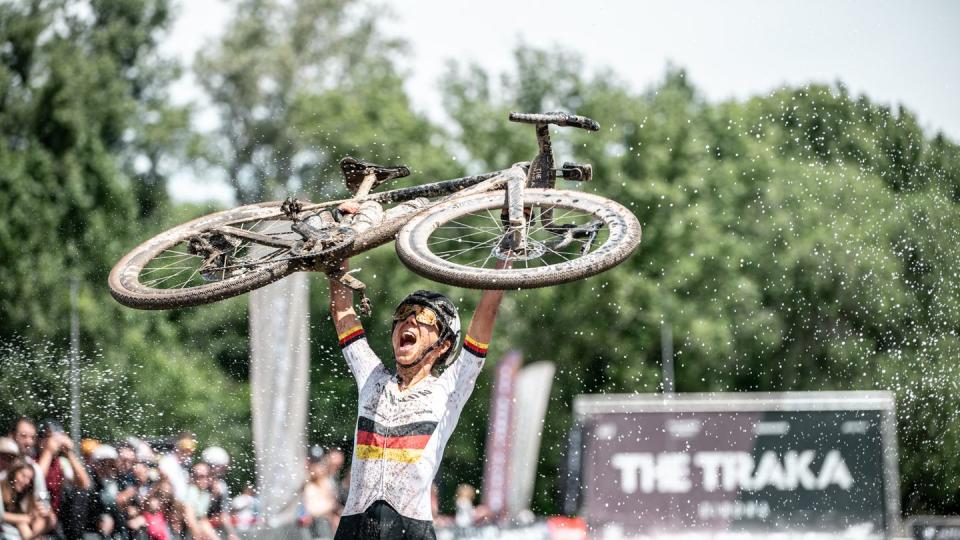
405, 418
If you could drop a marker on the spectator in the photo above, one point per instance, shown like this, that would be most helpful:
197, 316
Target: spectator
335, 459
246, 509
136, 524
66, 477
464, 516
321, 509
106, 530
198, 502
219, 513
126, 481
126, 458
176, 464
9, 452
175, 516
144, 475
61, 466
105, 491
155, 519
24, 517
23, 430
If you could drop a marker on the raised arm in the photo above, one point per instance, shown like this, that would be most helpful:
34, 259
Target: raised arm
341, 305
359, 356
481, 324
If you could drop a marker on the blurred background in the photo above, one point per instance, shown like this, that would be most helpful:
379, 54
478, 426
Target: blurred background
794, 167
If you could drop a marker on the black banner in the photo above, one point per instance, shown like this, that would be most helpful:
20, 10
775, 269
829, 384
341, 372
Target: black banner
663, 467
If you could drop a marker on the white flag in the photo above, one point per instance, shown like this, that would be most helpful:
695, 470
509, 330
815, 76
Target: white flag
279, 387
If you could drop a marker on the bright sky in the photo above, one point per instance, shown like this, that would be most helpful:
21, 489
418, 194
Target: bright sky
895, 52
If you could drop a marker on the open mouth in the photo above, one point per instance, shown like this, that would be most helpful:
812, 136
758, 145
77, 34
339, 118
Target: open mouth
408, 340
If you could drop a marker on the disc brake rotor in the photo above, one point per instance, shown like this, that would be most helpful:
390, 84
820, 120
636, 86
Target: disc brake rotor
533, 250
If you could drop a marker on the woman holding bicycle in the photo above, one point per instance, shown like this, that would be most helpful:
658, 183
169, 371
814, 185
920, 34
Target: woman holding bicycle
405, 418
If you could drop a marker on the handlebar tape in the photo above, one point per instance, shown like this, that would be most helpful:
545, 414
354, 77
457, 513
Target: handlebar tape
557, 118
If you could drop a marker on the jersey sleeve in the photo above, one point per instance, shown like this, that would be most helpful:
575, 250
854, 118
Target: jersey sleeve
462, 375
360, 357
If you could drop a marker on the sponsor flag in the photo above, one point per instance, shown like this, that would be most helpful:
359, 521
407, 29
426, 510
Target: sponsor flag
495, 467
532, 393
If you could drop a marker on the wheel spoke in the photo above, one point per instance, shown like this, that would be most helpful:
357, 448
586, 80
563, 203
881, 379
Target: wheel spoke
161, 280
460, 237
175, 254
458, 241
454, 252
151, 270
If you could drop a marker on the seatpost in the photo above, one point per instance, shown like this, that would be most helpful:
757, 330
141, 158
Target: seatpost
368, 179
541, 173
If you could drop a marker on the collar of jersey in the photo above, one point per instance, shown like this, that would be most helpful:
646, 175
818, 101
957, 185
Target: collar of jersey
396, 380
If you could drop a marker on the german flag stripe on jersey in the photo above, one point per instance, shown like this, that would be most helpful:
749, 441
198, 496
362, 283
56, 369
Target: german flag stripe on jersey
390, 454
412, 441
394, 443
475, 347
350, 335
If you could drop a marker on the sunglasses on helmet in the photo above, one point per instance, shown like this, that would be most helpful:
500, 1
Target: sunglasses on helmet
423, 314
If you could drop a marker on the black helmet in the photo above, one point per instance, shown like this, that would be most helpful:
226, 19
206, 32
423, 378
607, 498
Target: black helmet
446, 311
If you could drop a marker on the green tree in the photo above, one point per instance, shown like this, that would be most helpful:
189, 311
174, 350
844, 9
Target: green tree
85, 135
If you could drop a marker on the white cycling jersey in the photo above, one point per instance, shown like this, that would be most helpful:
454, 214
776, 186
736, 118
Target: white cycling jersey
401, 435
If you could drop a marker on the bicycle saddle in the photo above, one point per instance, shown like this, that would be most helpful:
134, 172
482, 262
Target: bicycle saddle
354, 170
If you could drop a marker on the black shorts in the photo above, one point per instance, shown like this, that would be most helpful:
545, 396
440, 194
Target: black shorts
381, 521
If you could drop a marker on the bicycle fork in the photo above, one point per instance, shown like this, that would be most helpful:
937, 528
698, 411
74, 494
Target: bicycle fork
514, 238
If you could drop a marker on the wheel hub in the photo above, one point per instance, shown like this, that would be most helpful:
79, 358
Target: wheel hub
532, 250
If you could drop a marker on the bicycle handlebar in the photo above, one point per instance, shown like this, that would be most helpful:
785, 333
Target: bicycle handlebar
557, 118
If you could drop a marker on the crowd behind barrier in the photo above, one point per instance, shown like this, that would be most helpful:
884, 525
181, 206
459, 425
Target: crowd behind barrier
136, 489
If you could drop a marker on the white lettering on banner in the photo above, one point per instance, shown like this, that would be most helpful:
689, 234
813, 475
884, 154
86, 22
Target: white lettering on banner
834, 471
798, 469
769, 473
733, 510
665, 473
669, 472
673, 473
737, 469
709, 463
631, 466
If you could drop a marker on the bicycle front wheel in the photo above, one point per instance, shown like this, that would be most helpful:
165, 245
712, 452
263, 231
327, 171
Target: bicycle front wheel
569, 236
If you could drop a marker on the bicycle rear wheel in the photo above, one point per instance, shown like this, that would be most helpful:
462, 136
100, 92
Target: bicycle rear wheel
460, 243
208, 259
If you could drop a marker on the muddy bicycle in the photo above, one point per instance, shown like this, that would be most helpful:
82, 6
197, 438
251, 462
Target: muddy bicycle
452, 231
